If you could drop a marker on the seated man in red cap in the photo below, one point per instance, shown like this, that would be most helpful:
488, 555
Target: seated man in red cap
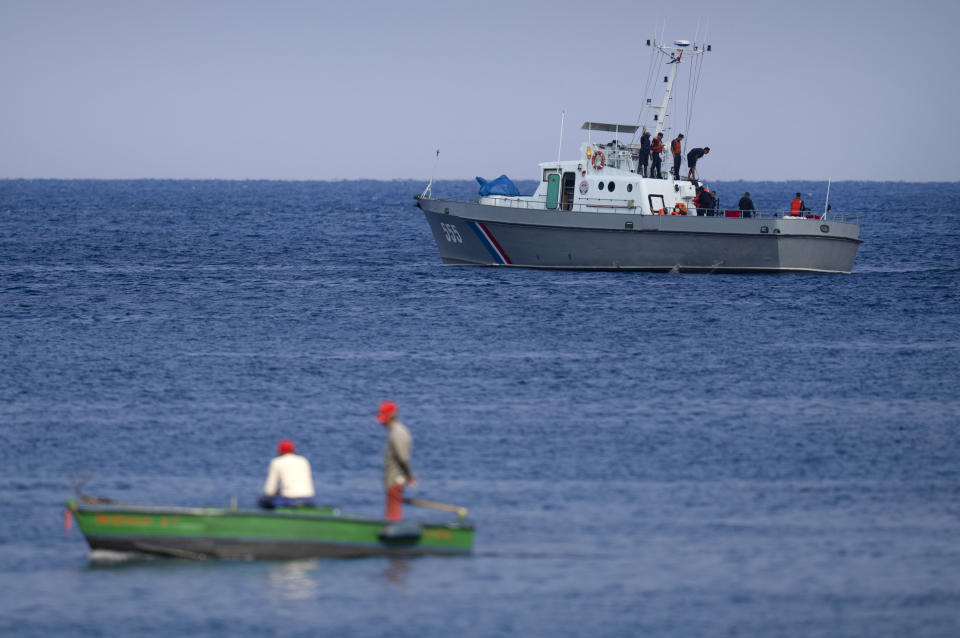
289, 480
396, 460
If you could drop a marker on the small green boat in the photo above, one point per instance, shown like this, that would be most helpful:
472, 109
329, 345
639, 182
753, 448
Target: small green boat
283, 533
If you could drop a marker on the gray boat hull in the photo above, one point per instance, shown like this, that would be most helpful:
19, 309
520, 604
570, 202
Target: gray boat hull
469, 233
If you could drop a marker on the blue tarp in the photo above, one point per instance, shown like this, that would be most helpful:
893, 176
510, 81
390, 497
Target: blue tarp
500, 186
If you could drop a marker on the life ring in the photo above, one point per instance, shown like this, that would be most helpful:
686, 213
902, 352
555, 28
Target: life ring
602, 160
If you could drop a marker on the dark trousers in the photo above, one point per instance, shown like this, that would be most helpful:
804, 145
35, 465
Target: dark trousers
271, 502
655, 166
676, 166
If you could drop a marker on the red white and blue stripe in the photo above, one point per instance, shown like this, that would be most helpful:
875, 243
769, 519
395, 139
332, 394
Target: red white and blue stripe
496, 250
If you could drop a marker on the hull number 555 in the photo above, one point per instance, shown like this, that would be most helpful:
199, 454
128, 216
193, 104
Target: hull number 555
451, 233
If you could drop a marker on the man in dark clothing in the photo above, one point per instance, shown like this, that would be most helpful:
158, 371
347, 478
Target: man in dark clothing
705, 207
746, 206
692, 158
656, 147
644, 152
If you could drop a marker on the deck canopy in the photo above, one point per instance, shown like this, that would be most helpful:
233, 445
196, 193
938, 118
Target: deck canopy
612, 128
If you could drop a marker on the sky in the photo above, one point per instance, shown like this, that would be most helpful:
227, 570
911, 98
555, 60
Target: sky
356, 89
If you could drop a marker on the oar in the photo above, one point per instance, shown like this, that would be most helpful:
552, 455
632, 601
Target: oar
459, 511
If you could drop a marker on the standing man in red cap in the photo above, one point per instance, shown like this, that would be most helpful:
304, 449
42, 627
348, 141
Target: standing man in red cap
289, 480
396, 460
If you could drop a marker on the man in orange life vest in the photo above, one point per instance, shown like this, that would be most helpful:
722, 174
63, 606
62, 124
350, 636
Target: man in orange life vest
797, 206
656, 147
396, 460
676, 147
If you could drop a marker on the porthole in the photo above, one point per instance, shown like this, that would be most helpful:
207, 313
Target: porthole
824, 228
611, 187
600, 185
629, 188
776, 231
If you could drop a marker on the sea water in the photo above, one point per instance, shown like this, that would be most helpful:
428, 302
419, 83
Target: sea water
643, 454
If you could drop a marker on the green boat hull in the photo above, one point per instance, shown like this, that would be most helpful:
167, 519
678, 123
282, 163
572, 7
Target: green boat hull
202, 533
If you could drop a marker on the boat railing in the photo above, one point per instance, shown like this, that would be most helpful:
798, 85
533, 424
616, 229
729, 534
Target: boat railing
620, 157
604, 205
583, 205
782, 214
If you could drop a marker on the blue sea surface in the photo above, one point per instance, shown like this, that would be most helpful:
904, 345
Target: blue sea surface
643, 454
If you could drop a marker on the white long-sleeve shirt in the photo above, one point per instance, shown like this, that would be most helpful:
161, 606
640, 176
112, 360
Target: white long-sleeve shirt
293, 474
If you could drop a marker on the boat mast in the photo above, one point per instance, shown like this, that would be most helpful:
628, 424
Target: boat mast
675, 52
428, 191
676, 55
563, 114
826, 204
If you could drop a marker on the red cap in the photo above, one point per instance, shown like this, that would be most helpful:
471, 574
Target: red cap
388, 410
285, 447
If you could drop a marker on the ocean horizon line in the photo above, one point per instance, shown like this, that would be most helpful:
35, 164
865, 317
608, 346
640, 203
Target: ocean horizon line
436, 181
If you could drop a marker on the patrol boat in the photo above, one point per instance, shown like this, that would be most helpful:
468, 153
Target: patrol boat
598, 212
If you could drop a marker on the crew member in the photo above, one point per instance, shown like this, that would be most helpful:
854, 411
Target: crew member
656, 147
676, 147
644, 152
692, 158
797, 206
746, 205
705, 207
396, 460
289, 480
